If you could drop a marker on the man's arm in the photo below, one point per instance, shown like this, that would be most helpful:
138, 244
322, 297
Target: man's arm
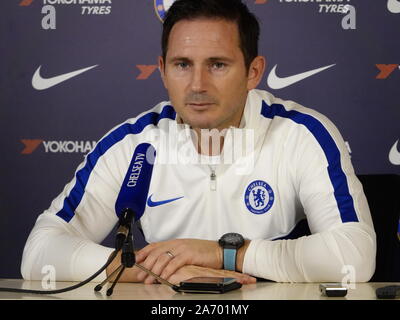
68, 238
67, 235
330, 256
53, 243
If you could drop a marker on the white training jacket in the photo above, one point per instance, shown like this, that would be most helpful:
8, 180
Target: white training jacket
284, 165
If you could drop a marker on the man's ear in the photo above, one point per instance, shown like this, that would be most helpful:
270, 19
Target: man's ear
256, 71
161, 68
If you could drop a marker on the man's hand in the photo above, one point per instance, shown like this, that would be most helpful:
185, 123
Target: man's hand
204, 253
187, 272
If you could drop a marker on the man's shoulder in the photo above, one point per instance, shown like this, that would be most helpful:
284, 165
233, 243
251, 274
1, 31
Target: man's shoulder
277, 109
134, 130
150, 117
162, 110
296, 122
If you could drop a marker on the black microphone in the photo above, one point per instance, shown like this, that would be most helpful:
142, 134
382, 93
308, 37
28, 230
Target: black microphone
131, 200
124, 227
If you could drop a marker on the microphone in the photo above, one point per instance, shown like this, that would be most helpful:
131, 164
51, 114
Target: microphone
130, 206
124, 227
131, 200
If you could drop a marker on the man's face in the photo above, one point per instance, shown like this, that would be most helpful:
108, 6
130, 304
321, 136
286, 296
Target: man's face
205, 74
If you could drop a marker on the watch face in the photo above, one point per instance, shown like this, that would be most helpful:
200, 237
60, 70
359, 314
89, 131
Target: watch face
231, 240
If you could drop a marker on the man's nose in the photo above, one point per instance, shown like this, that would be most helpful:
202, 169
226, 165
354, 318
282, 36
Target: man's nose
199, 79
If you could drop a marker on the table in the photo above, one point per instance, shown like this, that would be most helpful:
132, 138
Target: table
137, 291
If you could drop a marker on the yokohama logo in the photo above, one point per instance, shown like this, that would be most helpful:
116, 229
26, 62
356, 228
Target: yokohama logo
57, 146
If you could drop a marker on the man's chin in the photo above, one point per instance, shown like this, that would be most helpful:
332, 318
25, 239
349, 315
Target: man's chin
197, 123
202, 125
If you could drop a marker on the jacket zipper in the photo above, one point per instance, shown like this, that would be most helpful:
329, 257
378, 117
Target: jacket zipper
213, 180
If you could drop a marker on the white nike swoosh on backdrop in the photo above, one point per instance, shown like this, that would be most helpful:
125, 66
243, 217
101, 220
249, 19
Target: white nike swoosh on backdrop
40, 83
275, 82
393, 6
394, 154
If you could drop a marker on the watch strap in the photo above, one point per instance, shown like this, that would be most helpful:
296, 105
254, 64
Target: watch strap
230, 259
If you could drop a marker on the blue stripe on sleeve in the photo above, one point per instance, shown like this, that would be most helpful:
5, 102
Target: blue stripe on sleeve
337, 176
72, 201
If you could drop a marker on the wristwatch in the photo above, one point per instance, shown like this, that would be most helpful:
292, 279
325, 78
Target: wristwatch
230, 242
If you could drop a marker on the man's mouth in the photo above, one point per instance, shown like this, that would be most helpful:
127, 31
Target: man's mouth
199, 106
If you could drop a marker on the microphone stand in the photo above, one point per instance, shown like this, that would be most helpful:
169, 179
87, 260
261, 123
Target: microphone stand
127, 261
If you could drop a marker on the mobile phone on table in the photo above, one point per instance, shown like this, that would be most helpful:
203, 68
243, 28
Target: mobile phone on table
209, 285
333, 289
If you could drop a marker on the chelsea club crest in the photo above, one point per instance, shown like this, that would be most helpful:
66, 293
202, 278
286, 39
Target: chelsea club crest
161, 7
259, 197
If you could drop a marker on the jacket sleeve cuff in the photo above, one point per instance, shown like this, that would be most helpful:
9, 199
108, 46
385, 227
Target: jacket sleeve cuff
250, 258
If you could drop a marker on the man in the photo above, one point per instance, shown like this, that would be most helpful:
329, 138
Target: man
300, 172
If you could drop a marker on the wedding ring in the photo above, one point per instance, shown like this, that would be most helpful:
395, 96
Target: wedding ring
170, 254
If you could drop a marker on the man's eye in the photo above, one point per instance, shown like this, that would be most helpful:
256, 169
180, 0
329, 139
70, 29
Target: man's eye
218, 65
182, 65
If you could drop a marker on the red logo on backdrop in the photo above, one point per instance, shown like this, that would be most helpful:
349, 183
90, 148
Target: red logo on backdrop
386, 70
25, 3
145, 70
30, 145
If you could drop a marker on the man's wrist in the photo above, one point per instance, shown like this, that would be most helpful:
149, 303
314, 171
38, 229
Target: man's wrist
220, 254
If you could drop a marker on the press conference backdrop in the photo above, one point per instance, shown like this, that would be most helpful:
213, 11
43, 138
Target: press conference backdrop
51, 118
